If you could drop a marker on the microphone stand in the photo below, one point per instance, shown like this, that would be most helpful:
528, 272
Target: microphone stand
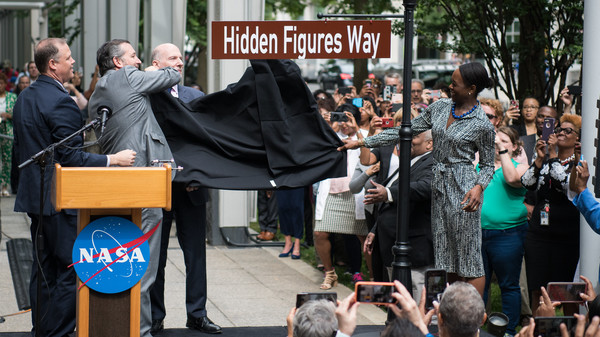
41, 159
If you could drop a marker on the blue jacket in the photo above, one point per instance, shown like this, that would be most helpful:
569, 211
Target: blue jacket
589, 208
45, 114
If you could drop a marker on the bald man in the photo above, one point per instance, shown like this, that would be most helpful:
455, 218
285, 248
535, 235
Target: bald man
189, 209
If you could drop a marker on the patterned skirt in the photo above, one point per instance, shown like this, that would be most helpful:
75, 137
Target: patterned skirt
339, 216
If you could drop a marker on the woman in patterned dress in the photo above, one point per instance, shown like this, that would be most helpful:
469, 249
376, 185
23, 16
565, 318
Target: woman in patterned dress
7, 102
460, 129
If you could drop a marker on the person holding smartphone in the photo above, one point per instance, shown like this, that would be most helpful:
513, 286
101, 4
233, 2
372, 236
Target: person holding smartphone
460, 128
504, 224
554, 220
339, 211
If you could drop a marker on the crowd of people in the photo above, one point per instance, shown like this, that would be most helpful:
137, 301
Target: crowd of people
492, 203
488, 193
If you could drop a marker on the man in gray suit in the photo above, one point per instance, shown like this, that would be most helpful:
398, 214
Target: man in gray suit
189, 209
133, 126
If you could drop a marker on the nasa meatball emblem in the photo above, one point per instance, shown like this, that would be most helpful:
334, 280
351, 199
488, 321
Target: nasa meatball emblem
111, 254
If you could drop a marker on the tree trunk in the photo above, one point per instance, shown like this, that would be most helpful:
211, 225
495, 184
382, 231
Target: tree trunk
532, 70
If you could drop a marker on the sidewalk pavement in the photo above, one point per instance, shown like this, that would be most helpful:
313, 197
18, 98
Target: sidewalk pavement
246, 286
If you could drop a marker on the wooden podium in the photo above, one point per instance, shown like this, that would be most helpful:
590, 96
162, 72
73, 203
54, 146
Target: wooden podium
110, 191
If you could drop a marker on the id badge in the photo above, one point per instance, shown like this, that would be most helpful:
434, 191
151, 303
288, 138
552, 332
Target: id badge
545, 215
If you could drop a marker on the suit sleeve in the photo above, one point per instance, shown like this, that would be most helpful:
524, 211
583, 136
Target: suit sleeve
589, 208
63, 121
150, 82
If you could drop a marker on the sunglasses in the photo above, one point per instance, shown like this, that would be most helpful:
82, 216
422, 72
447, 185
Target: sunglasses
567, 131
490, 116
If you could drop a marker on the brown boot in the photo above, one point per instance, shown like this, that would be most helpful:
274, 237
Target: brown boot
268, 236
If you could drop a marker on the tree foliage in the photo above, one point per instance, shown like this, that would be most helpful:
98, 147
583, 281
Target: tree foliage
58, 10
357, 7
550, 40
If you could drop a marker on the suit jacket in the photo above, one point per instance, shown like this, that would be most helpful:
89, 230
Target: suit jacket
419, 231
45, 114
200, 196
187, 94
132, 124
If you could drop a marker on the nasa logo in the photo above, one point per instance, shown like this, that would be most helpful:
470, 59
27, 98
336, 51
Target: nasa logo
111, 255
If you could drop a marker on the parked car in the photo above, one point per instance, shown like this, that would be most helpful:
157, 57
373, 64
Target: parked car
430, 72
335, 75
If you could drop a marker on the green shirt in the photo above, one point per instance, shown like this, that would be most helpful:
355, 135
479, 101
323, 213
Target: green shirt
503, 206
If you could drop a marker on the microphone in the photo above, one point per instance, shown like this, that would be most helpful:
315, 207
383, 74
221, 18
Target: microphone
105, 111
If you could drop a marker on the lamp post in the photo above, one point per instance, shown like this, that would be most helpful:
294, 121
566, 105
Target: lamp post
401, 249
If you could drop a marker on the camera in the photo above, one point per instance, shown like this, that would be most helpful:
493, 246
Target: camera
375, 292
550, 326
435, 284
388, 90
302, 298
566, 292
574, 90
547, 128
387, 122
357, 102
344, 90
338, 117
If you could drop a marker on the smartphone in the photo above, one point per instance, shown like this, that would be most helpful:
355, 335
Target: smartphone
387, 122
396, 98
357, 102
344, 90
374, 292
435, 284
388, 90
302, 298
435, 94
566, 292
550, 326
369, 83
338, 117
574, 90
547, 128
514, 103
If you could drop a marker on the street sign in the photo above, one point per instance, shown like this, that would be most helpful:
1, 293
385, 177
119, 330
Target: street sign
300, 39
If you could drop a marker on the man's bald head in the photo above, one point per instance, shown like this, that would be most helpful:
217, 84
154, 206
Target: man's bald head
167, 55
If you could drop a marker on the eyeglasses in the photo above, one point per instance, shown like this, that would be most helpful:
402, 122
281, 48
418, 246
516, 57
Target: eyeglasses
530, 107
416, 91
567, 131
491, 116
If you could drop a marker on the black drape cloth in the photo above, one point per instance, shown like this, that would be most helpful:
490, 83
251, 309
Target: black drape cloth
263, 132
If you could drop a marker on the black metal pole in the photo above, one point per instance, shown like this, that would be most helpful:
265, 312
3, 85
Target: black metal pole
401, 250
39, 247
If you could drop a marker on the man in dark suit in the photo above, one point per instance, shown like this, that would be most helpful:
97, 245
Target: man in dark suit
383, 234
133, 125
45, 114
189, 209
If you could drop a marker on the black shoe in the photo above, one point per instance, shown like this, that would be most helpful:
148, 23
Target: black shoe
203, 324
157, 326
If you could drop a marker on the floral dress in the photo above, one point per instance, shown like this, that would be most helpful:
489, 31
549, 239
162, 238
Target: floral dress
6, 128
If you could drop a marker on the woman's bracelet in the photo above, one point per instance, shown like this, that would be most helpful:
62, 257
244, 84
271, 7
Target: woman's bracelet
503, 151
361, 142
